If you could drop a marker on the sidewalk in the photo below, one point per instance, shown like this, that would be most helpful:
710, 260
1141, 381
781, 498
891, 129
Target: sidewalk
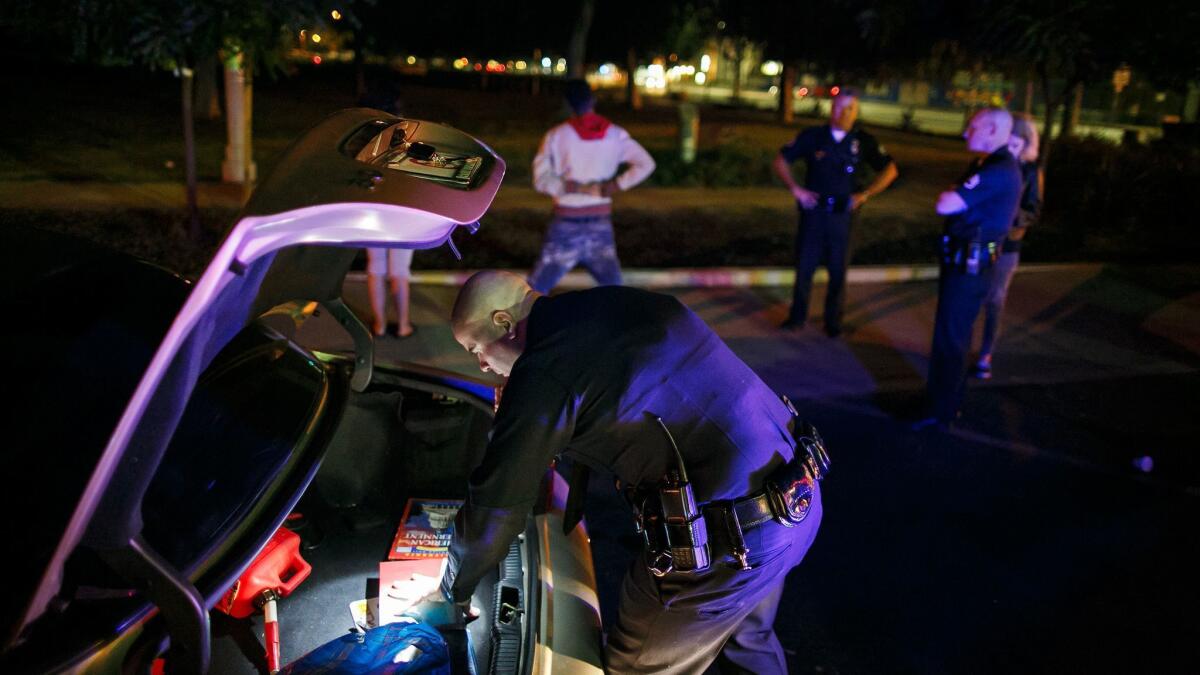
727, 277
1063, 324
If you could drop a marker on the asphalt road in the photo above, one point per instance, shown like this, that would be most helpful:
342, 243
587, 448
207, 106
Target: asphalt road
1024, 540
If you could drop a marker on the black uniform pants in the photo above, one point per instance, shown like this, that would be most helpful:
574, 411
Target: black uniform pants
823, 238
681, 623
960, 297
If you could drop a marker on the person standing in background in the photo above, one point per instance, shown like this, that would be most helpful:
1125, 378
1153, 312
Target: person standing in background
1023, 144
577, 165
979, 210
394, 264
830, 196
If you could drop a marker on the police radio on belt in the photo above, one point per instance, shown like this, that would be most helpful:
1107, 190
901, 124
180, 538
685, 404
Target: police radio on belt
683, 542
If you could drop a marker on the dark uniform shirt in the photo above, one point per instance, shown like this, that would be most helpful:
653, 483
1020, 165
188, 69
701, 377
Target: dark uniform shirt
991, 187
598, 365
831, 167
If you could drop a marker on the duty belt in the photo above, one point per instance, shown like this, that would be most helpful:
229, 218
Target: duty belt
831, 203
676, 537
750, 511
968, 256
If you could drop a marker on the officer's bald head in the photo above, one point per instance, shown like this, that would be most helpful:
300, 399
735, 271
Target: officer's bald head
485, 293
988, 130
843, 111
488, 318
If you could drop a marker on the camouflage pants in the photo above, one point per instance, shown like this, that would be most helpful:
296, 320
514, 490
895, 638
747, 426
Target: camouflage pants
577, 241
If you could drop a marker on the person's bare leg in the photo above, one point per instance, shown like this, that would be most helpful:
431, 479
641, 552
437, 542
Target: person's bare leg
399, 285
378, 304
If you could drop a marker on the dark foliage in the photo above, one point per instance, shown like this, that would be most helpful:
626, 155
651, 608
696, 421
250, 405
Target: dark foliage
1130, 203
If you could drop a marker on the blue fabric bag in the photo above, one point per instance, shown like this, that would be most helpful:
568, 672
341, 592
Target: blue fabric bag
392, 648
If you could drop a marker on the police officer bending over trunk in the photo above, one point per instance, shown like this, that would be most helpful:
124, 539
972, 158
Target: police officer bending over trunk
635, 384
833, 154
979, 210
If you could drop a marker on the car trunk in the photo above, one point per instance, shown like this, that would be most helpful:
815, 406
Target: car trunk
408, 435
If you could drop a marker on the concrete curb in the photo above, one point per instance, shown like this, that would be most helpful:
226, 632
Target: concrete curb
725, 277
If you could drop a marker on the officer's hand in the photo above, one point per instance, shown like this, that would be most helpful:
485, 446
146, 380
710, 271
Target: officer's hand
434, 609
807, 198
857, 199
467, 611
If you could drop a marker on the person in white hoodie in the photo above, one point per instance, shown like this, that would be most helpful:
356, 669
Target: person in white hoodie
577, 165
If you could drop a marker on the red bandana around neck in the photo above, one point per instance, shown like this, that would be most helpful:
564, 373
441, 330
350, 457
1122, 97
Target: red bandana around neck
590, 126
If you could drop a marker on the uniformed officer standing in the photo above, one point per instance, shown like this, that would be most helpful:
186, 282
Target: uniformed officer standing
833, 154
635, 384
979, 210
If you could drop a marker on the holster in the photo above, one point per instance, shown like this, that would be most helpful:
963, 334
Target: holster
790, 487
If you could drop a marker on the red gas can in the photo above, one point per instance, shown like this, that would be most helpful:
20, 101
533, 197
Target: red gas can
278, 567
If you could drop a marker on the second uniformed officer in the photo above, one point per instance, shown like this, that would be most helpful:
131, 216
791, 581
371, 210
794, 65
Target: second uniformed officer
833, 154
979, 209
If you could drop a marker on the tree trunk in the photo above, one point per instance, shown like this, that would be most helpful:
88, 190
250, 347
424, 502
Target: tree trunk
1072, 99
787, 82
207, 103
189, 154
577, 46
248, 120
1029, 96
1051, 102
80, 42
689, 131
633, 95
238, 166
535, 87
737, 71
1076, 106
1191, 103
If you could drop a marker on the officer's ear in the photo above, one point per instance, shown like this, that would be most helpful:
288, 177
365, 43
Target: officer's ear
504, 320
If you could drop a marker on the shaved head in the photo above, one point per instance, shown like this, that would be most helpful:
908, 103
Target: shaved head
843, 112
1001, 118
989, 130
484, 293
488, 318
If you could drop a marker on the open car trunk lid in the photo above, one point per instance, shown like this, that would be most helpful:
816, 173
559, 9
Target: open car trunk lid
359, 178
